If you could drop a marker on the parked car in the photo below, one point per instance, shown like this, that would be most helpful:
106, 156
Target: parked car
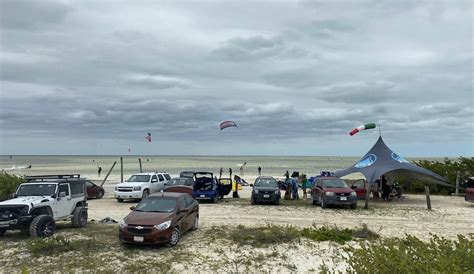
469, 195
43, 200
160, 218
207, 187
359, 186
180, 184
140, 185
265, 190
333, 191
186, 174
94, 191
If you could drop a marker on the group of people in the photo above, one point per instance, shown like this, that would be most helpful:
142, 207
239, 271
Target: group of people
381, 188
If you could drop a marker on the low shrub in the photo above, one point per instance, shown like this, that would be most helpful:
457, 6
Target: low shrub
411, 255
8, 185
59, 244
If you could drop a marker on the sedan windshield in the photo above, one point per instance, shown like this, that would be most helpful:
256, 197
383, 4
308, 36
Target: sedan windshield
156, 204
139, 178
36, 190
335, 183
180, 182
266, 182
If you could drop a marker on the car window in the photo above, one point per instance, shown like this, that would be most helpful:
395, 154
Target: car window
89, 184
64, 188
161, 177
334, 183
266, 182
154, 178
167, 176
182, 203
189, 182
359, 184
189, 200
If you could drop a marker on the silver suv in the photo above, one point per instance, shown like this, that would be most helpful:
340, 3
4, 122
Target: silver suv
43, 200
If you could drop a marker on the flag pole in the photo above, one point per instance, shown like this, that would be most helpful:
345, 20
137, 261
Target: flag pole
380, 131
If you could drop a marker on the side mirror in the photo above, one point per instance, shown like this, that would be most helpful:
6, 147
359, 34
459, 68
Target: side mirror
251, 185
132, 208
62, 194
353, 187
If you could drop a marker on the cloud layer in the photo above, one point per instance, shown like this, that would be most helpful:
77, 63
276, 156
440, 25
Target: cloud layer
93, 77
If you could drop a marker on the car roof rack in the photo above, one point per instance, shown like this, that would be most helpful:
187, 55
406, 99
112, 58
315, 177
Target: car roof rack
52, 177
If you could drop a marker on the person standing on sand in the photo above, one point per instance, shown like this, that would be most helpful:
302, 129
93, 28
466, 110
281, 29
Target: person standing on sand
99, 171
305, 185
259, 171
220, 172
287, 175
385, 188
230, 172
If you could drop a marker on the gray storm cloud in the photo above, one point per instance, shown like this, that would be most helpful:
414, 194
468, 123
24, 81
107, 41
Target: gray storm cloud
295, 73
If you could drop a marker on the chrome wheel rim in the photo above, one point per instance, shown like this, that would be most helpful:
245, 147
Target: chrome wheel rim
174, 236
196, 222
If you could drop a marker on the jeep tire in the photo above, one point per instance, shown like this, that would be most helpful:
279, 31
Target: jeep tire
119, 200
2, 231
79, 217
145, 194
42, 226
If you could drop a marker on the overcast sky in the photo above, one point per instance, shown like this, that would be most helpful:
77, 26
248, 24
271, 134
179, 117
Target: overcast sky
93, 77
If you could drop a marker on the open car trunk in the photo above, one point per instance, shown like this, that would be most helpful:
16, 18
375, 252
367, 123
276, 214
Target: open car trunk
225, 186
204, 181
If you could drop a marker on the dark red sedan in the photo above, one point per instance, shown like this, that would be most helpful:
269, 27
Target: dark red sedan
94, 191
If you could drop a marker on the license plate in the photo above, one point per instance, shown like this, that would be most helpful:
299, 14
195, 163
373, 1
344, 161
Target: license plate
266, 196
343, 198
138, 239
202, 196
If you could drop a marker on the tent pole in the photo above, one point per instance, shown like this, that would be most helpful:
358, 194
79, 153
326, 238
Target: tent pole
380, 131
367, 195
428, 200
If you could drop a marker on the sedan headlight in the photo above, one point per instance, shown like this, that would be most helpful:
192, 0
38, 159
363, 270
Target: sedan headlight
329, 193
163, 226
256, 191
123, 224
137, 188
353, 193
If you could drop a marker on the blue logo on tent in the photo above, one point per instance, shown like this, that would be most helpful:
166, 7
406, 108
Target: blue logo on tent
398, 158
366, 161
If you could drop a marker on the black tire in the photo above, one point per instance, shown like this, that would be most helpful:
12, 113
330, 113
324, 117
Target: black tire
42, 226
175, 236
277, 202
119, 200
215, 200
323, 204
314, 202
354, 206
2, 231
145, 194
252, 201
100, 194
195, 223
79, 217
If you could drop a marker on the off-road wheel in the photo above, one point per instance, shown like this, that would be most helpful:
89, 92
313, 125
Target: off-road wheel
79, 217
100, 194
323, 204
119, 200
2, 231
175, 236
146, 192
195, 223
42, 226
353, 206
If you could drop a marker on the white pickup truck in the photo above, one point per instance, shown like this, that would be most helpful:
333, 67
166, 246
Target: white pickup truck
140, 185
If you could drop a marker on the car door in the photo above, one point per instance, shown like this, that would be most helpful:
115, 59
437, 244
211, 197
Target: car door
183, 217
161, 182
154, 185
193, 208
91, 189
64, 205
359, 187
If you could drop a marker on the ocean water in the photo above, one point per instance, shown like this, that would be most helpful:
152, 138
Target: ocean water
87, 166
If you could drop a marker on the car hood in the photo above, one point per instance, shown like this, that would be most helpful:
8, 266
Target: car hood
338, 190
27, 200
131, 184
148, 218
